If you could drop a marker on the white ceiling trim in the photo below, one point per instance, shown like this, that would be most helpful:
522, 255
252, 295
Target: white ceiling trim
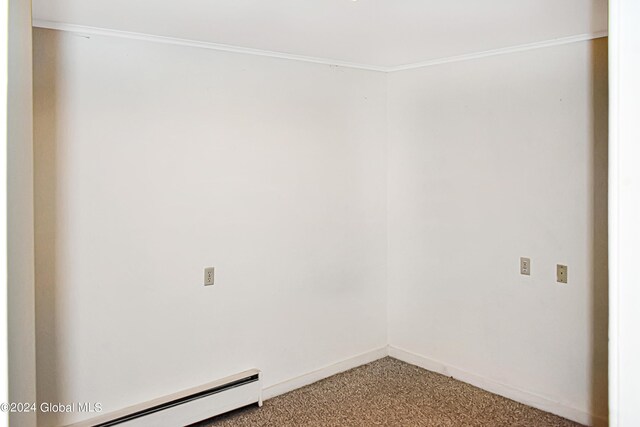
501, 51
85, 30
89, 31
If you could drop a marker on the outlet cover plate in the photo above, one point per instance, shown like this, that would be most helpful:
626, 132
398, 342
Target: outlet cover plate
525, 266
562, 273
209, 274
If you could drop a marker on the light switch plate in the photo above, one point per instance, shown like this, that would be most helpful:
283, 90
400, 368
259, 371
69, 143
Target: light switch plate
525, 266
562, 273
209, 276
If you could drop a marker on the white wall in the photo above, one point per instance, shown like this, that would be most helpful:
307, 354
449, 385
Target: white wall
20, 243
624, 213
154, 161
490, 160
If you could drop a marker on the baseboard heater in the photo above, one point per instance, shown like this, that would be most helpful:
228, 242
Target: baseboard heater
188, 406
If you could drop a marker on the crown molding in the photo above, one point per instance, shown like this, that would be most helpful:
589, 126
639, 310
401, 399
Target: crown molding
86, 30
94, 31
501, 51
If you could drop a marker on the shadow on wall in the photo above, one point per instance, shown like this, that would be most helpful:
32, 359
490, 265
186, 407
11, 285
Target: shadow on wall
600, 259
46, 198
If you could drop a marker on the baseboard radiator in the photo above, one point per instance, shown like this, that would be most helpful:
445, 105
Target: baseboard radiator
188, 406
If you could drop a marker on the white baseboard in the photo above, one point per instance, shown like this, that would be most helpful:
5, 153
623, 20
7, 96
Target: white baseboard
504, 390
325, 372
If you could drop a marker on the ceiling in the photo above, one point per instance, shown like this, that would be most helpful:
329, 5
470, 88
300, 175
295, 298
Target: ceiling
377, 33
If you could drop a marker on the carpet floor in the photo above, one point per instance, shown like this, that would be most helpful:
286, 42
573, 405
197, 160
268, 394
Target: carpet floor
388, 392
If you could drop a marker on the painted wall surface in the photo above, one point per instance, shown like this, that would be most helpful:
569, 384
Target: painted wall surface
624, 213
490, 160
155, 161
20, 228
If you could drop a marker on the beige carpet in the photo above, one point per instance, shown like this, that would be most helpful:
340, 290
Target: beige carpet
388, 393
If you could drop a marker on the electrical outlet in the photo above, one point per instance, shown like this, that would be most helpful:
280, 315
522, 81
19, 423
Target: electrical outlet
562, 273
525, 266
208, 276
